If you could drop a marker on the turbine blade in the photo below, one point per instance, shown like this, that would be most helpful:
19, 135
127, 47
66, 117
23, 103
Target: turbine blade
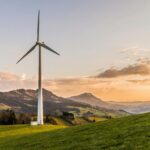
27, 53
38, 26
45, 46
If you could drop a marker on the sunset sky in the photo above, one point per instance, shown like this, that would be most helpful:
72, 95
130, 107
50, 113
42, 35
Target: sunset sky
104, 47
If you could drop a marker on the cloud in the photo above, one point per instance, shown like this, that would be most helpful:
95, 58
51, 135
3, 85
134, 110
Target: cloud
136, 69
105, 88
10, 81
9, 76
63, 87
140, 81
135, 52
135, 61
125, 88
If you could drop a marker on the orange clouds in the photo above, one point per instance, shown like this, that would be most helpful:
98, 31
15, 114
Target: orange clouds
140, 69
9, 76
127, 84
109, 89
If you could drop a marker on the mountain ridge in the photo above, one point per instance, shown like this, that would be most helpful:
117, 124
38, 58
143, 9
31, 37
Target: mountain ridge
25, 101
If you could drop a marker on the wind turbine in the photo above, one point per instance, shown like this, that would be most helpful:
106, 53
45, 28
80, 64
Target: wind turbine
40, 94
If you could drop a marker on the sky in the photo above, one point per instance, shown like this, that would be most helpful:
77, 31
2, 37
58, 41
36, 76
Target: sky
104, 47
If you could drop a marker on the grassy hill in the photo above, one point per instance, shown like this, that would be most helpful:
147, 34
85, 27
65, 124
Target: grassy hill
128, 133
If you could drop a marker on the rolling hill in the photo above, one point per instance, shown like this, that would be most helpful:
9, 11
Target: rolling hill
25, 101
127, 133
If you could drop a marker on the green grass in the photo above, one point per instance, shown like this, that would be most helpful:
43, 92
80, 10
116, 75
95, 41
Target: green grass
61, 121
128, 133
80, 121
97, 119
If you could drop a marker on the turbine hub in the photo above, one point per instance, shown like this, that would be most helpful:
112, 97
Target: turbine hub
38, 43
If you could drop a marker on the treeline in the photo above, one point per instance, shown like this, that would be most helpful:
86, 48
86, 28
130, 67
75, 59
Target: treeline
8, 117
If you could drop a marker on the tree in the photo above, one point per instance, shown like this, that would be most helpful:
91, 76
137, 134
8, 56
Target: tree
68, 116
24, 118
7, 117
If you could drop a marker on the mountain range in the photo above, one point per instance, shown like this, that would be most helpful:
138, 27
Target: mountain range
25, 101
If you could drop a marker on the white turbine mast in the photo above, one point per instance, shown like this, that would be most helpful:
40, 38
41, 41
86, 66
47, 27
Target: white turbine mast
40, 94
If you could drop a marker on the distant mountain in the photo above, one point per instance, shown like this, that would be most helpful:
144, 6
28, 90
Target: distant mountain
136, 107
131, 107
89, 98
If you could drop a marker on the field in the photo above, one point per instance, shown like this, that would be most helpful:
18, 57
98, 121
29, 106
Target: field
128, 133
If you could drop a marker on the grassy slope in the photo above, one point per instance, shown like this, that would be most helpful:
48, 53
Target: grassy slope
61, 121
129, 133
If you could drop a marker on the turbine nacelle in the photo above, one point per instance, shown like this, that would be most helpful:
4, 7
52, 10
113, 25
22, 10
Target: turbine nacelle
38, 43
34, 46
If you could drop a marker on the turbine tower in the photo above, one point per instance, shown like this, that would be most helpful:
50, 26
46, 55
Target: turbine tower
40, 94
